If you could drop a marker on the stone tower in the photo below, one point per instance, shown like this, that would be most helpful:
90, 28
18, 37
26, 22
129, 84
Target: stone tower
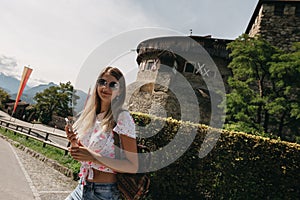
170, 66
277, 21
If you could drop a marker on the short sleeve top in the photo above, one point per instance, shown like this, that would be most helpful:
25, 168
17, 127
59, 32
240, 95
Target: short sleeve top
102, 142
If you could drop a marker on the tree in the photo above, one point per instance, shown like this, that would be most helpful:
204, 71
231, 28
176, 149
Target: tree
263, 97
4, 96
284, 104
55, 100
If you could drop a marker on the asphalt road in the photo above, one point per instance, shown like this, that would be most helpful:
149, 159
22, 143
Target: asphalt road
25, 177
13, 176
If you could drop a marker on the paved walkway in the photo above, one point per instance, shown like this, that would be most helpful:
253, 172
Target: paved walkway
27, 178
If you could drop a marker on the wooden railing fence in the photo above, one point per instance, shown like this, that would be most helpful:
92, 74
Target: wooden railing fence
44, 136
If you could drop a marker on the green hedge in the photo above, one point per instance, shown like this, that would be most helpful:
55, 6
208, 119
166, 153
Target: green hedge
240, 166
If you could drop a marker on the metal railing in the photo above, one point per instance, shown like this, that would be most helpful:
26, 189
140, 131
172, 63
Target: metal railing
44, 136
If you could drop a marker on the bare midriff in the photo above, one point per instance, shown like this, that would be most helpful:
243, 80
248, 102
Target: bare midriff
103, 177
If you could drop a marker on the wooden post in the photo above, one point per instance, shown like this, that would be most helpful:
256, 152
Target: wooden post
46, 138
7, 125
28, 133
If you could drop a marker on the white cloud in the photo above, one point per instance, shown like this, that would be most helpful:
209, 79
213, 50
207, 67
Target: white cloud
55, 37
8, 65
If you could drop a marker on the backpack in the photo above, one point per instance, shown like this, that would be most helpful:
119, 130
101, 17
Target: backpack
133, 186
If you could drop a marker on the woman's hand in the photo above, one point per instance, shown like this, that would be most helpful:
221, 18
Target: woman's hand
82, 153
72, 137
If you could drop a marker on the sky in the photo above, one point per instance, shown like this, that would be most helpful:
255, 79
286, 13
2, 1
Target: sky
59, 39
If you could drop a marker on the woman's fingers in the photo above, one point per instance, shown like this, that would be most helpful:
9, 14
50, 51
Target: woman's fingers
72, 137
81, 153
80, 144
67, 129
74, 151
70, 134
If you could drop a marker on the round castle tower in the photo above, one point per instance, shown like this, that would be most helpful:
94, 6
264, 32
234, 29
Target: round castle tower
176, 68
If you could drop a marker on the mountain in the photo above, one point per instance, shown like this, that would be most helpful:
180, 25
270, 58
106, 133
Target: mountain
10, 84
81, 101
39, 88
29, 93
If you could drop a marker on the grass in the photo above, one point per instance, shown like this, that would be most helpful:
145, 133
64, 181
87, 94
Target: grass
50, 152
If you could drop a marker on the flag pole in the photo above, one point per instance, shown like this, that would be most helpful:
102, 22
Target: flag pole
25, 76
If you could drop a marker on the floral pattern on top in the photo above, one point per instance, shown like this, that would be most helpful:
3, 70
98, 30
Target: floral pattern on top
102, 142
125, 125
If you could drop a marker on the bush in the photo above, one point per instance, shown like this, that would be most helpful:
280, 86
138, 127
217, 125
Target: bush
240, 166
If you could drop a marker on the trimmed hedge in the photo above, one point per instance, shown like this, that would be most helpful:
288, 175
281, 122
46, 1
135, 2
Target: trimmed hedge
240, 166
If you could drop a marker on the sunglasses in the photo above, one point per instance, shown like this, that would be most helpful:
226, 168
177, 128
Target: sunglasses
112, 85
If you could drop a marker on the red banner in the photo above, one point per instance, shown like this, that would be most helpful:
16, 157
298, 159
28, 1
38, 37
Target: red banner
25, 76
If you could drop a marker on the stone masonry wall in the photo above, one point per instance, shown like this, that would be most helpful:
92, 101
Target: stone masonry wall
281, 31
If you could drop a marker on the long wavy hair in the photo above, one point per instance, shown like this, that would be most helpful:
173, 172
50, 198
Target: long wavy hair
93, 107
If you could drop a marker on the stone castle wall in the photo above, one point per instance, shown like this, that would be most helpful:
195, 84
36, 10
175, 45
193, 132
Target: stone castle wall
280, 29
173, 93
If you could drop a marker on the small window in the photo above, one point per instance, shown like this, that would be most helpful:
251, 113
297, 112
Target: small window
142, 65
278, 10
297, 11
149, 65
189, 67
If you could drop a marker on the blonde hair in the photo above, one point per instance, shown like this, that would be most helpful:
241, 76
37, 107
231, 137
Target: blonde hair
93, 106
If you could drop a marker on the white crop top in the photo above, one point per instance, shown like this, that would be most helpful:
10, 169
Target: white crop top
103, 142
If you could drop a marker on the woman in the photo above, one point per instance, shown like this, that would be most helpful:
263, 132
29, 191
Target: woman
102, 117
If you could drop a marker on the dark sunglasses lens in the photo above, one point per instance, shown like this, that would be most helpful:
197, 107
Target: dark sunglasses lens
114, 85
102, 82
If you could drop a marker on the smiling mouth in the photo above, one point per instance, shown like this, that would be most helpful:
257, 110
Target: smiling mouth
106, 93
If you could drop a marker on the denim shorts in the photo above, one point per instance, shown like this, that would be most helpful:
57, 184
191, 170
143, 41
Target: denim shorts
95, 191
